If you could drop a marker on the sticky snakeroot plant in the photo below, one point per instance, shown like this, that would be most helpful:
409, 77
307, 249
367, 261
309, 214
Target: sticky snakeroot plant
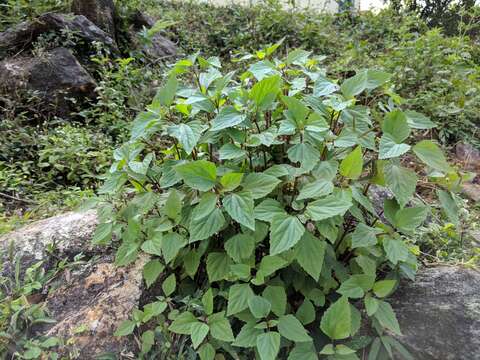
251, 194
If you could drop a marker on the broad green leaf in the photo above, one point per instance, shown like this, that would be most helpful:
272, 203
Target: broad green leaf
183, 323
386, 317
306, 312
395, 124
371, 304
269, 264
259, 307
268, 345
171, 245
389, 148
401, 181
408, 219
227, 118
230, 181
285, 232
264, 92
206, 352
153, 246
351, 167
290, 328
200, 175
173, 205
204, 228
166, 94
383, 288
218, 266
126, 253
336, 321
153, 309
305, 154
268, 209
103, 233
207, 301
207, 204
356, 285
151, 271
328, 207
260, 185
315, 189
364, 80
418, 121
310, 252
186, 134
297, 57
247, 337
240, 247
169, 285
148, 340
238, 298
125, 328
395, 249
240, 207
231, 152
297, 111
191, 262
364, 236
220, 328
449, 205
277, 297
199, 332
431, 154
323, 87
303, 351
262, 69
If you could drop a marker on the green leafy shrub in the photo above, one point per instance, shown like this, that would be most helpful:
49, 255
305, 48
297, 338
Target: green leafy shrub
250, 192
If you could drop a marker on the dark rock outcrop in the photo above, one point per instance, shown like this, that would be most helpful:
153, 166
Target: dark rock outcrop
100, 12
439, 314
55, 77
21, 36
158, 46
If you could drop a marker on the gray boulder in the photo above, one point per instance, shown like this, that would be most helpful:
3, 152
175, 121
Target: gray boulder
439, 314
70, 233
55, 76
22, 35
100, 12
88, 301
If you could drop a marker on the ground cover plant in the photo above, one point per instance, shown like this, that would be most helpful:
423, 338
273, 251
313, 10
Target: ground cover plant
250, 192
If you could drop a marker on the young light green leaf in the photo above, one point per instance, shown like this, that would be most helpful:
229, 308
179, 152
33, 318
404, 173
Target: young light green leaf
230, 181
383, 288
351, 167
306, 312
364, 80
386, 317
277, 297
171, 245
206, 352
264, 92
395, 249
207, 301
